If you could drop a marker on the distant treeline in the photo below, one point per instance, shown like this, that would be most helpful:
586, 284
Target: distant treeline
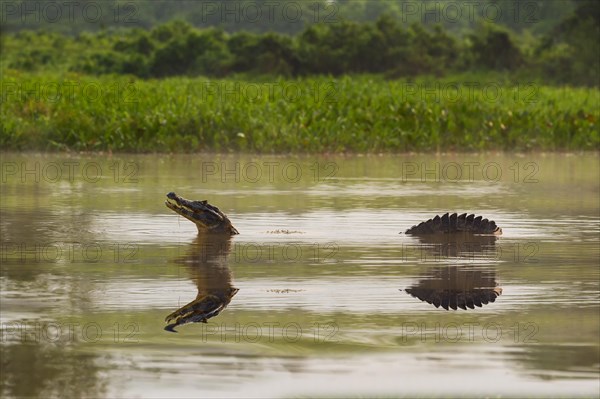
566, 55
282, 16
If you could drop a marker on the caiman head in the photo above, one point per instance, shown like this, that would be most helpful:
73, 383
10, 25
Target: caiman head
206, 217
206, 261
201, 309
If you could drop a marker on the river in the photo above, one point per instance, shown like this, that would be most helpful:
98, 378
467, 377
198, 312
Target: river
333, 297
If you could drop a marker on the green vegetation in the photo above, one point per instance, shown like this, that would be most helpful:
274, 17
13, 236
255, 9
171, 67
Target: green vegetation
566, 55
304, 115
282, 16
379, 85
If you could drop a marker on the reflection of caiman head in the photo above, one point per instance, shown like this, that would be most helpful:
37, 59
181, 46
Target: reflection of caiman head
207, 262
206, 217
453, 287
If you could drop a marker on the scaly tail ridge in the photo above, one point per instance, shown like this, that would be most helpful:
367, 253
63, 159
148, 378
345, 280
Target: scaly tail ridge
454, 223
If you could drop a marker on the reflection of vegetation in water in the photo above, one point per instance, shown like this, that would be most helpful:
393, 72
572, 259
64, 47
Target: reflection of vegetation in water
207, 263
549, 360
34, 370
46, 225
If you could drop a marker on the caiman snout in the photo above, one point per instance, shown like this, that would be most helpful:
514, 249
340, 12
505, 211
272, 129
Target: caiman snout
206, 217
201, 309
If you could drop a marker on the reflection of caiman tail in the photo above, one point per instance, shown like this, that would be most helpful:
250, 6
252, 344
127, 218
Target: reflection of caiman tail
206, 217
452, 287
459, 244
455, 224
207, 261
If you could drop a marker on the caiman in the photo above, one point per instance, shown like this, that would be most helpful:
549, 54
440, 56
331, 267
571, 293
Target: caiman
206, 217
456, 225
207, 260
207, 263
448, 289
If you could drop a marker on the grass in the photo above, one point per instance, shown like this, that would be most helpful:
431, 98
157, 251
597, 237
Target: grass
68, 111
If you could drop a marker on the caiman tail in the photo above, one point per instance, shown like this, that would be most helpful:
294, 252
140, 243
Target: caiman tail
457, 288
456, 299
206, 217
455, 224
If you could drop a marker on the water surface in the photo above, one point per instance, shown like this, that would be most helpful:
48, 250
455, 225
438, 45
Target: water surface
332, 299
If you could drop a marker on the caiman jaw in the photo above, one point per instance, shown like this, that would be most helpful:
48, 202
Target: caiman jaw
201, 309
203, 215
180, 206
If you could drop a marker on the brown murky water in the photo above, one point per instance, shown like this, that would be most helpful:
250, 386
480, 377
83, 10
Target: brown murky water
332, 299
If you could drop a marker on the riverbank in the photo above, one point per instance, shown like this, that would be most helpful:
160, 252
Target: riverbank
309, 115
